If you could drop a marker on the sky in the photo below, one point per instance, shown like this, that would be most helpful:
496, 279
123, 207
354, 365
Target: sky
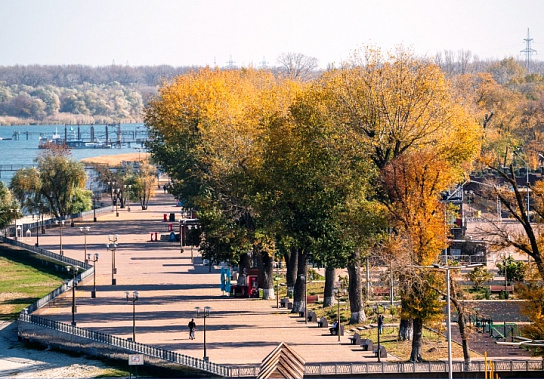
248, 33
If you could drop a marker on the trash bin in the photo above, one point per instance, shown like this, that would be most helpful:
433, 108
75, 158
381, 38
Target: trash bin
172, 217
290, 291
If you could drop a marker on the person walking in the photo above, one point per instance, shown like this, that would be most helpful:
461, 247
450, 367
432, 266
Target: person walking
192, 327
380, 324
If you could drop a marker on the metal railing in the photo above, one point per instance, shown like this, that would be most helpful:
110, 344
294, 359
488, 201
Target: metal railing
240, 371
26, 316
414, 368
122, 343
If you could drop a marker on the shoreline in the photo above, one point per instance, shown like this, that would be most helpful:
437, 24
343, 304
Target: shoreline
113, 160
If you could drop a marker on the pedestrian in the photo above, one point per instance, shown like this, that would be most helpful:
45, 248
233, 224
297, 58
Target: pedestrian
380, 324
192, 327
164, 188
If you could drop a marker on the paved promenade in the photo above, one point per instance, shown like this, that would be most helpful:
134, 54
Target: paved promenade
170, 286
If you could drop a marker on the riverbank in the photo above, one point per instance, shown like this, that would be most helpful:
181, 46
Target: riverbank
114, 160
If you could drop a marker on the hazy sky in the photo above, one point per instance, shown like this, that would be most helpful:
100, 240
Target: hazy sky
179, 32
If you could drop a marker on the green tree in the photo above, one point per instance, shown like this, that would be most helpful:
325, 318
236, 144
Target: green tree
514, 270
8, 206
57, 182
479, 275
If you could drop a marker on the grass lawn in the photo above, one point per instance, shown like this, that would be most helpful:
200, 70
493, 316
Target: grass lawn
26, 278
22, 283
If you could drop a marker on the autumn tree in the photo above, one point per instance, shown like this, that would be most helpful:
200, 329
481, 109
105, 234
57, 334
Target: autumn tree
396, 104
206, 127
413, 183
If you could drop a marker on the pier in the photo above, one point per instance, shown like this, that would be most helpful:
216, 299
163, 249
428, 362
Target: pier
106, 135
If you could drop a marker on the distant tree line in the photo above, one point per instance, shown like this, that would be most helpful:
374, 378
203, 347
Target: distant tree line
77, 93
116, 93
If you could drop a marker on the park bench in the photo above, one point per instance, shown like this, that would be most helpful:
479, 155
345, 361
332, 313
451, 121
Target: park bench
383, 352
312, 317
355, 339
312, 298
333, 330
498, 289
286, 303
381, 291
367, 344
322, 323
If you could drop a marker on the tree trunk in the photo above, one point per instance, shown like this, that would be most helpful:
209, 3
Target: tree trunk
300, 285
462, 326
415, 356
405, 329
292, 267
328, 296
243, 263
358, 314
265, 263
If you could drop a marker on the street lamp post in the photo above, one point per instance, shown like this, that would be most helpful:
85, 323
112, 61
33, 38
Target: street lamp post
448, 308
94, 207
113, 247
38, 225
85, 230
117, 202
61, 224
190, 239
303, 279
16, 211
73, 199
337, 295
94, 260
134, 298
113, 191
204, 313
527, 184
128, 188
74, 270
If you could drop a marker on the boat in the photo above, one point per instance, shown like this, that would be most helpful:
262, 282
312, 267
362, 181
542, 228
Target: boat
57, 140
47, 142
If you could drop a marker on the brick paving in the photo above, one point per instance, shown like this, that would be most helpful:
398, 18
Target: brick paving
170, 286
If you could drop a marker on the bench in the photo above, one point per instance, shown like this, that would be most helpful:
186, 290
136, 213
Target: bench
322, 323
312, 298
312, 317
242, 291
381, 291
286, 303
355, 339
498, 289
383, 352
367, 344
334, 331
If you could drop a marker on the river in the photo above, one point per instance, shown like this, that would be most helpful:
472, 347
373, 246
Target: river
25, 150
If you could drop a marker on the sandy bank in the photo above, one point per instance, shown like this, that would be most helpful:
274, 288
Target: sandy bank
113, 160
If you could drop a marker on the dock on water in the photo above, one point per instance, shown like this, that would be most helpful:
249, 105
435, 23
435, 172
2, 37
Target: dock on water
92, 135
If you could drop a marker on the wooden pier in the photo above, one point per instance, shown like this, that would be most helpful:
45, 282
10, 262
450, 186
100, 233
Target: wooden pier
110, 135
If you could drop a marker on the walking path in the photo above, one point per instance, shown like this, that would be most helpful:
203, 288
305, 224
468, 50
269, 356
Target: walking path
170, 286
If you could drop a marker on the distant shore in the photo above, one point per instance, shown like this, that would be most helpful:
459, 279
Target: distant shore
113, 160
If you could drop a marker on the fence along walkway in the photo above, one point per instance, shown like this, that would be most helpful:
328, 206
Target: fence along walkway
26, 316
122, 343
240, 371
